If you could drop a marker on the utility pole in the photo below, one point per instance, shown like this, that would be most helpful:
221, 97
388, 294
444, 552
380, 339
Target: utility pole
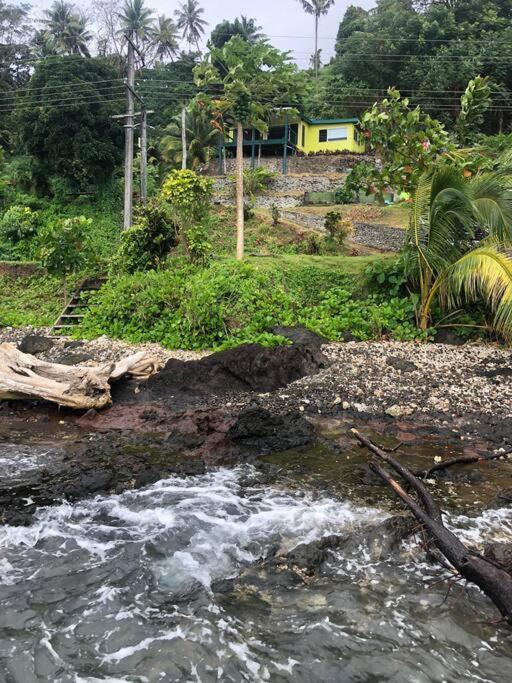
184, 137
128, 137
143, 155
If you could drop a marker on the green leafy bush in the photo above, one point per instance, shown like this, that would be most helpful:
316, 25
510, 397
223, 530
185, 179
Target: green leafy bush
189, 196
18, 227
64, 249
231, 302
338, 232
146, 245
387, 277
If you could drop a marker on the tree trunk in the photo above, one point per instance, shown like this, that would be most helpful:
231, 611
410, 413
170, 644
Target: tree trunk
316, 53
239, 191
184, 138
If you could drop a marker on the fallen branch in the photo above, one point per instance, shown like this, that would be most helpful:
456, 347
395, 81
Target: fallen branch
492, 579
459, 460
23, 376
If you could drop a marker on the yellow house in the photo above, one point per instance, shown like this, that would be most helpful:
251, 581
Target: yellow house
329, 135
297, 135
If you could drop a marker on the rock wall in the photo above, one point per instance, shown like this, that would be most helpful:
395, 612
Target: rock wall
283, 190
374, 235
317, 163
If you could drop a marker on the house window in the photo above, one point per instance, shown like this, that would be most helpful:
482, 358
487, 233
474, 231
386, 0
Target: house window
303, 136
337, 134
322, 135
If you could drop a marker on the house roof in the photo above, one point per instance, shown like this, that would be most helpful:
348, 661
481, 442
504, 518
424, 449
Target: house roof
318, 122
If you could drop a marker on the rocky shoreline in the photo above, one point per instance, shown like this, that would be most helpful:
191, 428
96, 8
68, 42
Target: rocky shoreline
245, 404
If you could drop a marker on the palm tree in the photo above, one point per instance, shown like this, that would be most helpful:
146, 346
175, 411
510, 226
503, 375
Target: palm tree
317, 8
459, 243
77, 37
189, 21
201, 139
165, 40
249, 30
65, 30
137, 20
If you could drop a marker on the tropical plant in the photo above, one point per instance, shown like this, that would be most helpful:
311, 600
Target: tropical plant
459, 243
188, 20
253, 83
165, 39
474, 103
138, 20
64, 247
65, 30
201, 138
406, 142
317, 8
244, 27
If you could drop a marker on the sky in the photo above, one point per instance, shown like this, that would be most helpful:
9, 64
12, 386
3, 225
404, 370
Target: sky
283, 21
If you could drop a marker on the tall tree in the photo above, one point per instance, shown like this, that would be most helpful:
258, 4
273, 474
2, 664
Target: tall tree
67, 29
190, 22
317, 8
138, 20
244, 27
252, 83
200, 135
165, 39
72, 137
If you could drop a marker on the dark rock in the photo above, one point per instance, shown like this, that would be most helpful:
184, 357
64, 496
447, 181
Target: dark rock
401, 364
385, 537
35, 343
348, 336
501, 553
74, 344
445, 336
300, 335
503, 498
257, 430
306, 559
250, 367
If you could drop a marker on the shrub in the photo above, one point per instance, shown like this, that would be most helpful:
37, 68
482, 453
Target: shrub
18, 227
387, 277
64, 249
338, 231
146, 245
276, 215
189, 195
345, 195
256, 180
231, 302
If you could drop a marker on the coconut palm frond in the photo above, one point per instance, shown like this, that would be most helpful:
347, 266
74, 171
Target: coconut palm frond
485, 271
491, 195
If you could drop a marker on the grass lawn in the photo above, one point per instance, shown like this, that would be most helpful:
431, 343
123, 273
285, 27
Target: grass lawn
395, 216
351, 265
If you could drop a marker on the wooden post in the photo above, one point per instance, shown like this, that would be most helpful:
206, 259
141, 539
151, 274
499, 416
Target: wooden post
239, 191
184, 138
285, 147
144, 156
253, 139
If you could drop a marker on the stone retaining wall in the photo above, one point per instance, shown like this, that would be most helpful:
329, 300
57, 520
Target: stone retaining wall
374, 235
283, 190
317, 163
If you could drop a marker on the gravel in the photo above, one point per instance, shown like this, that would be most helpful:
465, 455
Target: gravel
101, 350
401, 379
391, 378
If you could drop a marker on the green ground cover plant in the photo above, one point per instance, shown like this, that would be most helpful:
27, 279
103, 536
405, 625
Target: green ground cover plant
227, 303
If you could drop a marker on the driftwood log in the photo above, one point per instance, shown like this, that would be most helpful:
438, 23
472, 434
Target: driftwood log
23, 376
495, 581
